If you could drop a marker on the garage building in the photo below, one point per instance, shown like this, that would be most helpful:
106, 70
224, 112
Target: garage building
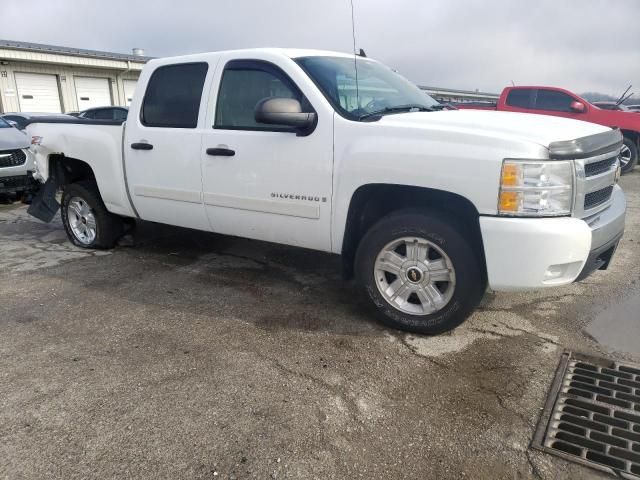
47, 78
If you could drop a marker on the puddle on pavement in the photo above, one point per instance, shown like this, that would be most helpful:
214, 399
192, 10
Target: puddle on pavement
618, 327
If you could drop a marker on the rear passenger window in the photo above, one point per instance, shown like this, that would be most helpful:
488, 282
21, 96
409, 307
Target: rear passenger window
553, 100
172, 99
519, 98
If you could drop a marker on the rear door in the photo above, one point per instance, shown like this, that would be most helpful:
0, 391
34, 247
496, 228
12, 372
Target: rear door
162, 146
519, 100
92, 92
38, 92
268, 183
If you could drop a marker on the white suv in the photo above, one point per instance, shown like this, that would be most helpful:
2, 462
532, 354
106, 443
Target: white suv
15, 164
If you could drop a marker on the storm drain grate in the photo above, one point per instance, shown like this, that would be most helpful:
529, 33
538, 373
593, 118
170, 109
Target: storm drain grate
592, 415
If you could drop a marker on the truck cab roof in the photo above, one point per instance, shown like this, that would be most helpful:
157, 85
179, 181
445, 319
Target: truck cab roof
247, 52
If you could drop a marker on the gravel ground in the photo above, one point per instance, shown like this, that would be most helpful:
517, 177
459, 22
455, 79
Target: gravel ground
192, 355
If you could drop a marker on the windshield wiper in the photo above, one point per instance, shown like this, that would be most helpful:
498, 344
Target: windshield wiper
398, 109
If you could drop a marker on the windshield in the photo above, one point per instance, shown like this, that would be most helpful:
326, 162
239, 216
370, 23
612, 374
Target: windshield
378, 88
4, 124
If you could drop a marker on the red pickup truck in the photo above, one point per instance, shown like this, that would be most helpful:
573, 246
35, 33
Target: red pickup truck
562, 103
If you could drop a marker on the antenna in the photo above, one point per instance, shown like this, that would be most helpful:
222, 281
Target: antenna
355, 57
513, 83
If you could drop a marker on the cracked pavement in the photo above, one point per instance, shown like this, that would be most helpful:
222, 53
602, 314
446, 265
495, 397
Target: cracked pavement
182, 354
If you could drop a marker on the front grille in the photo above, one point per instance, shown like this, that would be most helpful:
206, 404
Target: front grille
12, 158
601, 166
593, 415
593, 199
14, 182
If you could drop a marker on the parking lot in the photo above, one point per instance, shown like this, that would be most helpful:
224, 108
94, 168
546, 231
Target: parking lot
182, 354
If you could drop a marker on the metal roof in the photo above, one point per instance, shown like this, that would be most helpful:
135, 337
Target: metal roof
78, 52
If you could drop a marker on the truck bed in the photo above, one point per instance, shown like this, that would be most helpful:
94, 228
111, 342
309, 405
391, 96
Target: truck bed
70, 120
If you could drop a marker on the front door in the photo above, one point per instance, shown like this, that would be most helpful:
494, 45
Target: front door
162, 147
264, 181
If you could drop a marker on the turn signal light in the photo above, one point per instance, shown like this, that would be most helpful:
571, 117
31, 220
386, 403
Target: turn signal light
509, 201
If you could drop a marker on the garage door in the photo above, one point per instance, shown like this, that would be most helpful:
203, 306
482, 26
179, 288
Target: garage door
129, 88
38, 92
92, 92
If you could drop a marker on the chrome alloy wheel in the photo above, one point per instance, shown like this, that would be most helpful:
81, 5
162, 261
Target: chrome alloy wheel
81, 220
625, 156
414, 276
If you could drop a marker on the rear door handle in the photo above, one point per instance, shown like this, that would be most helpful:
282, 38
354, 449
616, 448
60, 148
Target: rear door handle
221, 152
142, 146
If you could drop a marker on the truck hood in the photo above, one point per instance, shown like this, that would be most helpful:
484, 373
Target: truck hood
12, 139
539, 129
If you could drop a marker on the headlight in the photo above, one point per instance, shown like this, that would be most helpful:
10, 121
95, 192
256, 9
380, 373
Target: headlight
536, 188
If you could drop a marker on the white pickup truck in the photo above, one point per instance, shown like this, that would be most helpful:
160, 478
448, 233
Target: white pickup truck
338, 153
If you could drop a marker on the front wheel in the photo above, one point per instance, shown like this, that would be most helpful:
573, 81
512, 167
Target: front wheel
86, 220
420, 272
628, 155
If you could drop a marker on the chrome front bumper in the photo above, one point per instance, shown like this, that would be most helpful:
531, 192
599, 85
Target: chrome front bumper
608, 223
607, 228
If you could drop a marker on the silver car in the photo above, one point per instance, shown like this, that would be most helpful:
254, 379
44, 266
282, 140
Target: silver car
16, 165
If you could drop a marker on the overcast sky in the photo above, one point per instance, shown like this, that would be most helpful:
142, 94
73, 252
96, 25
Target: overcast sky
583, 45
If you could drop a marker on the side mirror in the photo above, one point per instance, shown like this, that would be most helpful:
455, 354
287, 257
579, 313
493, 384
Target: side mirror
577, 107
285, 111
13, 124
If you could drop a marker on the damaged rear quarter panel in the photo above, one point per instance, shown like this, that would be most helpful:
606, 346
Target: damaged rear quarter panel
100, 146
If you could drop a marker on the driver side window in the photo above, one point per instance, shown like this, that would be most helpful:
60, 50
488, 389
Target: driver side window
243, 85
554, 101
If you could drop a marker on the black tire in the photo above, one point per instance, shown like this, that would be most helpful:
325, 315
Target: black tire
470, 283
633, 149
109, 227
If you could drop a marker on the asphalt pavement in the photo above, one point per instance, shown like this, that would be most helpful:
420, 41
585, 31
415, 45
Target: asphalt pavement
188, 355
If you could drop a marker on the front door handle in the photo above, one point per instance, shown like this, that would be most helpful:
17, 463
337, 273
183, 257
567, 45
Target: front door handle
221, 152
142, 146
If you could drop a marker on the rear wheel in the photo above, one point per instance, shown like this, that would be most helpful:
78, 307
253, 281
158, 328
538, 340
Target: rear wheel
86, 220
628, 155
420, 272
